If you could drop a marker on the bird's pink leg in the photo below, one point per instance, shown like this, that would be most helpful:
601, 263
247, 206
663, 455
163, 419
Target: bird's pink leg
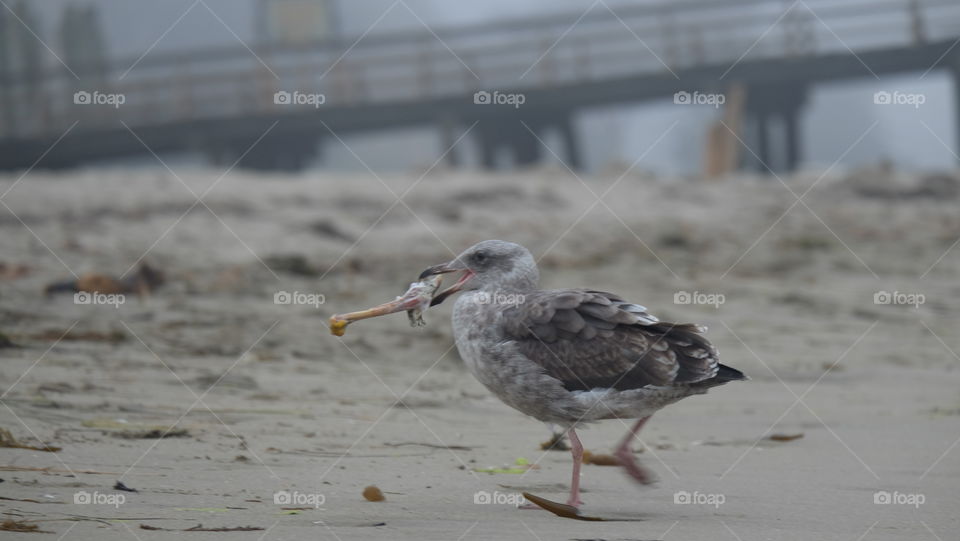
627, 460
576, 449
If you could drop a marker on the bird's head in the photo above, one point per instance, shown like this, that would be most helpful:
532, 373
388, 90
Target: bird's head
491, 263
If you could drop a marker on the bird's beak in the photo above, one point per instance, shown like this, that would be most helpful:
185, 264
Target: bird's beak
443, 268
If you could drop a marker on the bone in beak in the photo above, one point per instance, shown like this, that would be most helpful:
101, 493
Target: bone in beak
415, 298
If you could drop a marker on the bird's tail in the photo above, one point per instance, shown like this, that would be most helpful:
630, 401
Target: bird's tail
725, 374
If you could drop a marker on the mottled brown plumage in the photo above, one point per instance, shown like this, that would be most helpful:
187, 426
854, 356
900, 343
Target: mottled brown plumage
572, 356
627, 348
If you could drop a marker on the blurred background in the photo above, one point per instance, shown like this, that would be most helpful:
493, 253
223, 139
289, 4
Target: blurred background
199, 79
190, 188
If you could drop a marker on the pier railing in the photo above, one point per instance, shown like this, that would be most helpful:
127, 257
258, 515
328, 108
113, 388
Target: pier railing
549, 51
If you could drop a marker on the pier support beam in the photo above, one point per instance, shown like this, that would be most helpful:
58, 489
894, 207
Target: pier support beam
762, 124
448, 140
489, 141
570, 142
525, 147
769, 107
791, 125
503, 132
280, 153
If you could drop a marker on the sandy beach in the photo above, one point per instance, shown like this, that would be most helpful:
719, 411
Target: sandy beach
836, 293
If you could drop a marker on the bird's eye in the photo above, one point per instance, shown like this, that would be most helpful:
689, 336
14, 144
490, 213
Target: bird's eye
480, 257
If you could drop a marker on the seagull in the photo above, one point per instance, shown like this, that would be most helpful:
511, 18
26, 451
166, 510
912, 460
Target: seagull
571, 356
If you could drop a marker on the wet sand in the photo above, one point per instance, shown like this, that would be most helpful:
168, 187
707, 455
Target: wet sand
258, 399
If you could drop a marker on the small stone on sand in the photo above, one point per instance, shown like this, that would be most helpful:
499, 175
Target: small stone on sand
373, 494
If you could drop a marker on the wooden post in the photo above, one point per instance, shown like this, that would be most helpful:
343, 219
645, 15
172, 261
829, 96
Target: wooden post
723, 147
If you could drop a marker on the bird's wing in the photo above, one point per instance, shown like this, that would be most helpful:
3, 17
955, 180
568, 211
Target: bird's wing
592, 339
